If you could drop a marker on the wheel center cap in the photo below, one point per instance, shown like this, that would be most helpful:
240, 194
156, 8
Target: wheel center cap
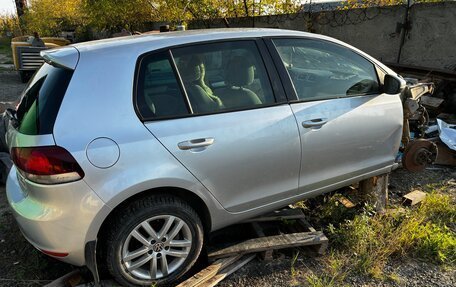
158, 247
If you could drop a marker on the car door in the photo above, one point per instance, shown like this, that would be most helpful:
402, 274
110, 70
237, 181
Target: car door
214, 107
348, 127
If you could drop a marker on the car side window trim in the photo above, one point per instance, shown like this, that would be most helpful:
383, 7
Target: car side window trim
288, 86
285, 76
180, 82
273, 74
264, 55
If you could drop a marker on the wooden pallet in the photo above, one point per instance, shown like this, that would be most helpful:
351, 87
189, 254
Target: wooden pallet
229, 259
267, 244
219, 270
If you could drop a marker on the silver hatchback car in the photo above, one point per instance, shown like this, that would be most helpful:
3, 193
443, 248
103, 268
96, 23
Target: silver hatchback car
128, 151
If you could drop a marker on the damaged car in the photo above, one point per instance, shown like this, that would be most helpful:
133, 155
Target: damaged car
127, 152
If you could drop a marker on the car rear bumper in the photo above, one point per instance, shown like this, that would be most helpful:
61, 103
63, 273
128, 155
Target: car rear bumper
54, 218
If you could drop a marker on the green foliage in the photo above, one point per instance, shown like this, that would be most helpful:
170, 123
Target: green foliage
5, 49
435, 242
363, 243
333, 274
114, 15
423, 232
351, 4
48, 18
9, 23
293, 261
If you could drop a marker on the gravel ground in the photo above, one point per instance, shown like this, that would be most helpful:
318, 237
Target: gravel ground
10, 88
410, 273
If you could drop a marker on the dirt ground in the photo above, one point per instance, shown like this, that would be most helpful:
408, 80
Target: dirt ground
23, 265
10, 88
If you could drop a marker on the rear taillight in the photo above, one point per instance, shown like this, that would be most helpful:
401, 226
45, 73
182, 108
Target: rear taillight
47, 164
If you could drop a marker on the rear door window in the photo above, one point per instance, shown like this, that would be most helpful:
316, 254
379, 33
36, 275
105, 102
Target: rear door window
158, 91
224, 76
41, 100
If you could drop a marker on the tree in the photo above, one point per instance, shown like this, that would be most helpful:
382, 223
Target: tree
20, 7
49, 17
114, 15
9, 23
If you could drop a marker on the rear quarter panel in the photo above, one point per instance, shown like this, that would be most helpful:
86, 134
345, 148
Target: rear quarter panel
99, 103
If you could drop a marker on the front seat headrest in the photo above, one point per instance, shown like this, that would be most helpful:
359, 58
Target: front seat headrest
240, 72
192, 69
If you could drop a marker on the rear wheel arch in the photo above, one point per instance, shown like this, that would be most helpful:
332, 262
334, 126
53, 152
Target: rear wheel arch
189, 197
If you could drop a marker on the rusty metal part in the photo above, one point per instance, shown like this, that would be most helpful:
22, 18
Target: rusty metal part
416, 117
445, 156
419, 153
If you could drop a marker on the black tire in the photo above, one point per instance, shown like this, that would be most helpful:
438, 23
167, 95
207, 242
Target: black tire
135, 213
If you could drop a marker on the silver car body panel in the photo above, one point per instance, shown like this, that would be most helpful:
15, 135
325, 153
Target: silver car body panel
54, 217
65, 57
98, 104
253, 161
17, 139
359, 136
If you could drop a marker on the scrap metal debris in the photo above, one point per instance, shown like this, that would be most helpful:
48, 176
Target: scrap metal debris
447, 134
417, 151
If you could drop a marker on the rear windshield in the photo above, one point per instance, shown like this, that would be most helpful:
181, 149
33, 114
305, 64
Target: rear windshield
41, 100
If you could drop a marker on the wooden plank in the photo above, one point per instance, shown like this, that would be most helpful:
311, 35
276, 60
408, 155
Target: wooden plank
345, 201
271, 242
209, 271
413, 197
265, 255
226, 272
323, 246
304, 223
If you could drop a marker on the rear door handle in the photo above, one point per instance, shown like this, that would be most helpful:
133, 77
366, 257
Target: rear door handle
195, 143
314, 122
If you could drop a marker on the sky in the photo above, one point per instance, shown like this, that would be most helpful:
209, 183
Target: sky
7, 6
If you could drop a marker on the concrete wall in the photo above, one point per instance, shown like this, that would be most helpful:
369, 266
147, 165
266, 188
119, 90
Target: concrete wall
430, 41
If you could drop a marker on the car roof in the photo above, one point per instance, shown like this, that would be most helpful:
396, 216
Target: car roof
190, 36
137, 45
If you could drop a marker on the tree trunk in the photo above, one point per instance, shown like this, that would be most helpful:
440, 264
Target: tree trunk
246, 8
20, 7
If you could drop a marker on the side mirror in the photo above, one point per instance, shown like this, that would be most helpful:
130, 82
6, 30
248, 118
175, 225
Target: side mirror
392, 85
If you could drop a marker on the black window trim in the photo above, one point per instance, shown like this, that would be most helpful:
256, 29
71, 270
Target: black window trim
285, 76
179, 82
271, 71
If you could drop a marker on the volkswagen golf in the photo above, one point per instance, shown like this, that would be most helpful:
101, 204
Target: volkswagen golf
127, 152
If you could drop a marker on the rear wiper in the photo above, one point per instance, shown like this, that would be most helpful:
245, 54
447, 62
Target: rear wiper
11, 114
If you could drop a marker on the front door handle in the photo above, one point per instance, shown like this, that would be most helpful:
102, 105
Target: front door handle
314, 122
195, 143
